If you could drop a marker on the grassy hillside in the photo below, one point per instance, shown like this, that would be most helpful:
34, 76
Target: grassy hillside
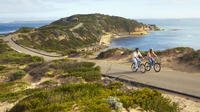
11, 63
78, 87
9, 56
63, 36
71, 86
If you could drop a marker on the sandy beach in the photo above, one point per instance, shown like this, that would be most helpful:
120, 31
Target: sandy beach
106, 39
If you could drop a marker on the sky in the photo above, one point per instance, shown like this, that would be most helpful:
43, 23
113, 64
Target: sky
31, 10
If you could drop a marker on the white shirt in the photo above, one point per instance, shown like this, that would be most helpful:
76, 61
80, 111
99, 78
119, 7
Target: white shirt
136, 54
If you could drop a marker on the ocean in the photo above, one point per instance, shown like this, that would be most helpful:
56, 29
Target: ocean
177, 33
6, 28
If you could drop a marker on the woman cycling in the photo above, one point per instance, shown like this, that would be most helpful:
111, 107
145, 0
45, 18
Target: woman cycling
151, 56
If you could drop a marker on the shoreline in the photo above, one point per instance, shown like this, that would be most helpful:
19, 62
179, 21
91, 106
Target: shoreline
106, 39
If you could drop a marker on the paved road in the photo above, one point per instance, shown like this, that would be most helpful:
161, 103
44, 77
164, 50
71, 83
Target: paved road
33, 52
179, 81
188, 83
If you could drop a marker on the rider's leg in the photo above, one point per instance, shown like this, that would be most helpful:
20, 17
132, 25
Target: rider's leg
136, 63
150, 62
139, 61
153, 61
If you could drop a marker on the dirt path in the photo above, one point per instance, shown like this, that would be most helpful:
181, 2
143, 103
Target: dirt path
76, 27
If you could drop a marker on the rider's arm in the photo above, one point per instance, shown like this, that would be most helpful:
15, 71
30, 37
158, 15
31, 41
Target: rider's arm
134, 55
148, 55
141, 55
155, 55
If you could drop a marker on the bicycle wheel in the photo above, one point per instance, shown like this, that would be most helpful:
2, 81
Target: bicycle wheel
133, 68
142, 68
157, 67
147, 66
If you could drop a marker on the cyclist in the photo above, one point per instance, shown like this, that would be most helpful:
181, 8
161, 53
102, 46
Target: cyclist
136, 57
150, 56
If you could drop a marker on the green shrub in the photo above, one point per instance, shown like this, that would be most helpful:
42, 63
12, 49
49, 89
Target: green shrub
115, 85
60, 99
19, 58
92, 97
25, 30
152, 100
48, 83
37, 59
97, 68
11, 91
17, 75
86, 70
88, 76
87, 53
2, 68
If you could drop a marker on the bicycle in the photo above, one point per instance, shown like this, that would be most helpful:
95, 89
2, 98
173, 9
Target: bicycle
141, 67
156, 65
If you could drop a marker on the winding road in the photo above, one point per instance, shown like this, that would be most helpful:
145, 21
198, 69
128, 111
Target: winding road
187, 83
33, 52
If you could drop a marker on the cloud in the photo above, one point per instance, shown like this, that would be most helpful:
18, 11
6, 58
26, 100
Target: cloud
17, 6
45, 9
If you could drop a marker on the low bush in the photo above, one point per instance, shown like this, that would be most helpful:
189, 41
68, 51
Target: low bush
115, 85
93, 97
149, 100
86, 70
88, 75
48, 83
18, 58
2, 67
115, 53
12, 91
25, 30
37, 59
17, 75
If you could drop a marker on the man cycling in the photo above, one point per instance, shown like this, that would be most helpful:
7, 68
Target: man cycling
150, 56
136, 57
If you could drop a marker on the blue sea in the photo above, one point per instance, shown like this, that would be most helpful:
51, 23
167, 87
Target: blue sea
177, 33
6, 28
187, 34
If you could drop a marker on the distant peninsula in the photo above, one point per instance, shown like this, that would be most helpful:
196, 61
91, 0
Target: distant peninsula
80, 31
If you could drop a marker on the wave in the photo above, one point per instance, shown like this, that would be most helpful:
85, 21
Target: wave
6, 32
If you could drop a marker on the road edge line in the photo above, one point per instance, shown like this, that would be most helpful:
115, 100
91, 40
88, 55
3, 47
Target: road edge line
135, 83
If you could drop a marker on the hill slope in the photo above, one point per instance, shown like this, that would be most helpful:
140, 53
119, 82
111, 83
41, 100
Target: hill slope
77, 31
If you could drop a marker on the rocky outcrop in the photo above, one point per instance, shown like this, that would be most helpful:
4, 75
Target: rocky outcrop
153, 27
